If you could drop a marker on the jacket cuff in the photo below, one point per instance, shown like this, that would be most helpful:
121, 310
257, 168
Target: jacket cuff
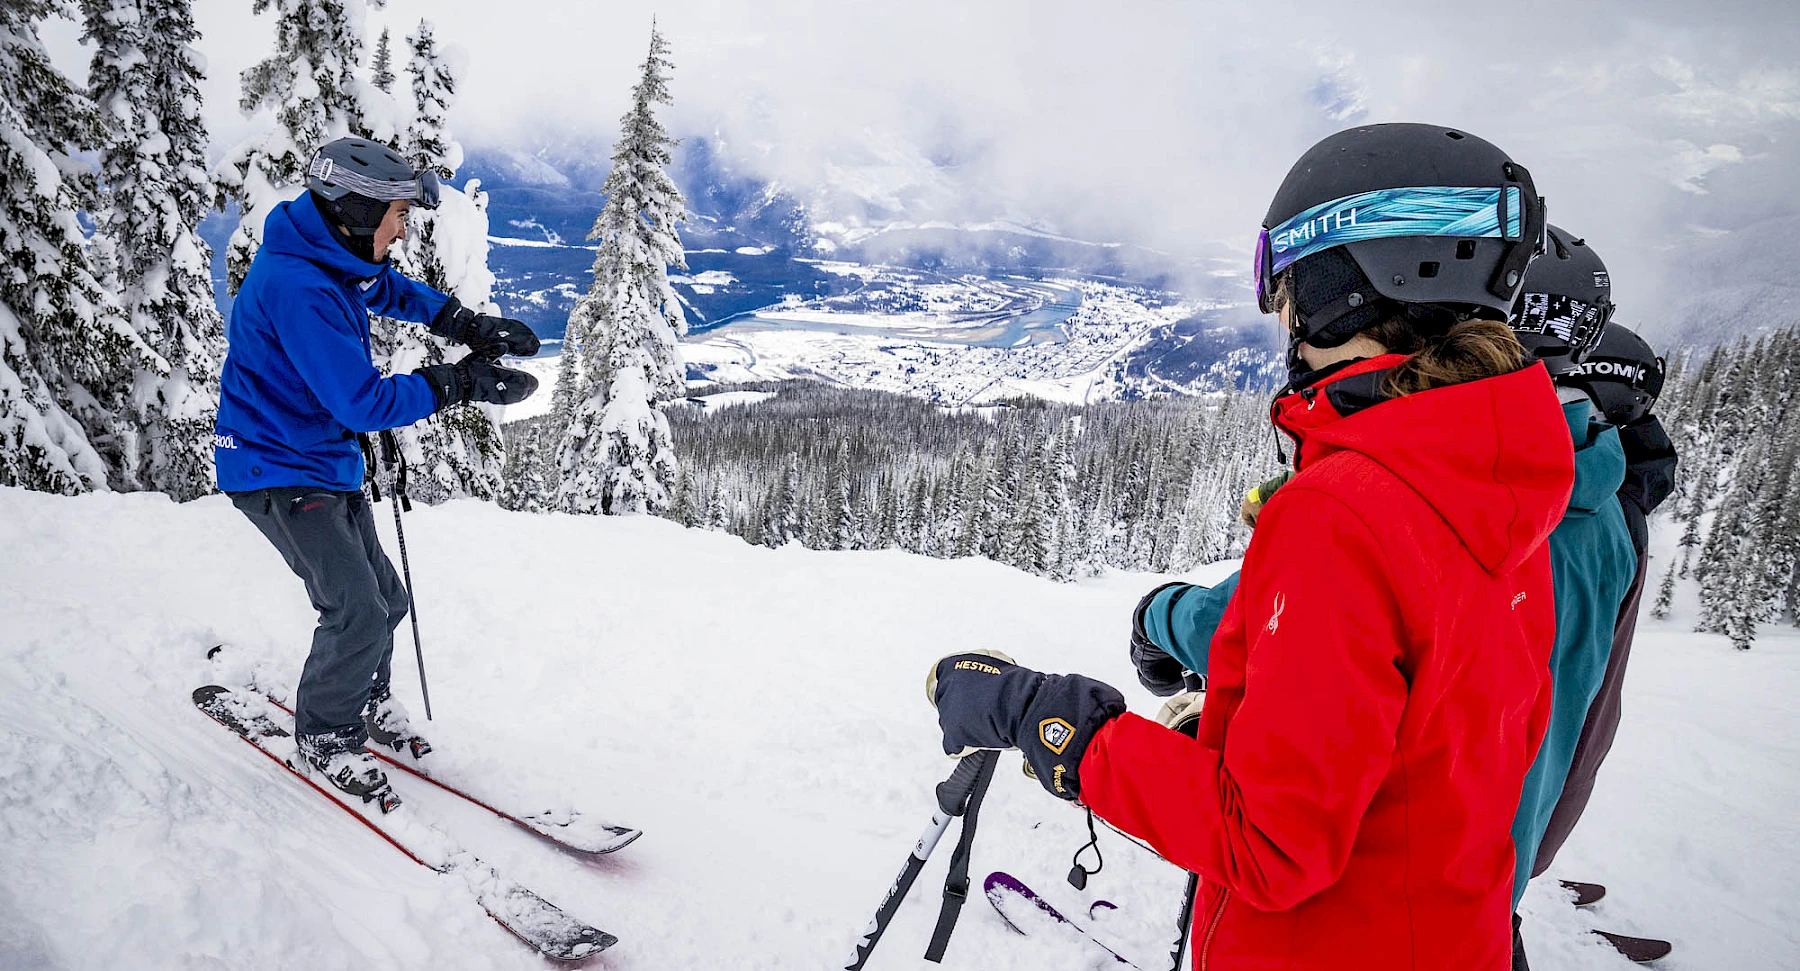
1154, 619
444, 324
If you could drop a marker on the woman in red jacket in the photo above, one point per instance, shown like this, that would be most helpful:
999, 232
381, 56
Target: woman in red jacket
1379, 685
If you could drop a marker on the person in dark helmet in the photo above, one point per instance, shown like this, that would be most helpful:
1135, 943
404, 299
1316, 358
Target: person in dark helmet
1559, 319
1379, 681
1624, 377
297, 389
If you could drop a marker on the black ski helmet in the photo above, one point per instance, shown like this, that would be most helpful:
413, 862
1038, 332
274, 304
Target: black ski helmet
1623, 375
352, 180
1384, 220
1566, 303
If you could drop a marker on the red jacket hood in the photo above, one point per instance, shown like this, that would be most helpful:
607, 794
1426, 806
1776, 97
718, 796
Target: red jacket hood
1492, 457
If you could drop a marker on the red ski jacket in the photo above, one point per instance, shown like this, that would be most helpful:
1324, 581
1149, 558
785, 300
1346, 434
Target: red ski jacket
1376, 692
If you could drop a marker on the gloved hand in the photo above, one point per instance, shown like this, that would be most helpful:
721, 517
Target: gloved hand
489, 337
475, 379
984, 701
1159, 673
1256, 497
1182, 713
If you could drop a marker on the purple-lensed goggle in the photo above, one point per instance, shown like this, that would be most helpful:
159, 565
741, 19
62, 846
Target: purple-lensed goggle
1494, 212
1265, 281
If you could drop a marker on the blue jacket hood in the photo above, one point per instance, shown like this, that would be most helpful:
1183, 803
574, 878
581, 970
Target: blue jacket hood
299, 381
1599, 460
297, 228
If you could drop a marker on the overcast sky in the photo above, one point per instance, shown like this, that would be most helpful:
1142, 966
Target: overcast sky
1650, 125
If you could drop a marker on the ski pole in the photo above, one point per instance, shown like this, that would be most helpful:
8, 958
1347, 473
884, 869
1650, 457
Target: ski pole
396, 476
1191, 729
952, 798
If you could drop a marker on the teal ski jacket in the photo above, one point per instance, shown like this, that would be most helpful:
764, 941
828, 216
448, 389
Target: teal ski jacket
1592, 564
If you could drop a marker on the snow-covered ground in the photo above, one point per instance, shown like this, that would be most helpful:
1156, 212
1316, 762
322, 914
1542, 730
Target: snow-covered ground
726, 399
760, 713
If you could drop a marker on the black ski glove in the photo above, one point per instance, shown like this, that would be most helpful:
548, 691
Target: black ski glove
1159, 673
489, 337
475, 379
985, 701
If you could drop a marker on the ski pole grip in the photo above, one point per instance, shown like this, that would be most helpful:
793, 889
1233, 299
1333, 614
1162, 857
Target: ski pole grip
953, 793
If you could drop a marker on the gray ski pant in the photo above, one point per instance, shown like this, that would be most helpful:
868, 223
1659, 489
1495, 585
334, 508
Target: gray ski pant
328, 539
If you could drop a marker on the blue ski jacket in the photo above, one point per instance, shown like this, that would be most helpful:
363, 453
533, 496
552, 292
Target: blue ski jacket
1592, 565
299, 381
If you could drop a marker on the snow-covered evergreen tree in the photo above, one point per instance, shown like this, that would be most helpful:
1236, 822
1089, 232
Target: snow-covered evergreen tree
457, 452
718, 509
382, 70
616, 456
523, 475
145, 78
311, 86
427, 140
67, 354
568, 393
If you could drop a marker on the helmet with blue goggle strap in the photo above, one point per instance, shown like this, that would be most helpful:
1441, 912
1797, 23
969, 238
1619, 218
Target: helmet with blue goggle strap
1398, 219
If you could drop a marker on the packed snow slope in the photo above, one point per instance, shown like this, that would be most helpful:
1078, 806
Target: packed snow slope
759, 713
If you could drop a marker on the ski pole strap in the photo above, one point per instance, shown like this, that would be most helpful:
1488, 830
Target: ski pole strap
395, 459
956, 885
371, 471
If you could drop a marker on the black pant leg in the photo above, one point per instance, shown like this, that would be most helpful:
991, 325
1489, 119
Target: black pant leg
318, 535
393, 591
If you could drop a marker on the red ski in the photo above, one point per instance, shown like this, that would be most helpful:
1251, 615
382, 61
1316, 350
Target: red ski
571, 830
540, 924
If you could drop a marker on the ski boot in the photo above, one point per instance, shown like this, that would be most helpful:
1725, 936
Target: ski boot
348, 767
388, 725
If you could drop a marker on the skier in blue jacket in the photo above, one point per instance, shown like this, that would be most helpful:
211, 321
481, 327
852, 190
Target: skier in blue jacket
298, 388
1565, 304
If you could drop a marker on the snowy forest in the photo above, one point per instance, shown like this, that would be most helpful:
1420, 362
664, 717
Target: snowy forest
1055, 490
1734, 414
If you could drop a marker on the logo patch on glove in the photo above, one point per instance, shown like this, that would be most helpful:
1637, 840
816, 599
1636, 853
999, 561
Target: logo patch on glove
976, 666
1055, 734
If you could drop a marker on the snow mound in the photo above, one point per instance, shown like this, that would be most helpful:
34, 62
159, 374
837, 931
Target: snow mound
758, 712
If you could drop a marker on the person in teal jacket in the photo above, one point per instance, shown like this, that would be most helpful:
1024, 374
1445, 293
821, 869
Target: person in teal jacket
1564, 307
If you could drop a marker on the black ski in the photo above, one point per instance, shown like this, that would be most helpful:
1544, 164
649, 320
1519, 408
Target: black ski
1586, 894
532, 919
1640, 950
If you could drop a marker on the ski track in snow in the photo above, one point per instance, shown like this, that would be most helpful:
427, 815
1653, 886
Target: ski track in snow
760, 713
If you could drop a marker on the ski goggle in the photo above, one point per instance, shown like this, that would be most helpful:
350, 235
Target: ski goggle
1489, 213
423, 189
1574, 322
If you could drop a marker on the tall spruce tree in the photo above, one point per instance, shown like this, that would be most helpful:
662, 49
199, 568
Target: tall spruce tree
145, 77
458, 452
310, 84
382, 70
616, 455
67, 354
